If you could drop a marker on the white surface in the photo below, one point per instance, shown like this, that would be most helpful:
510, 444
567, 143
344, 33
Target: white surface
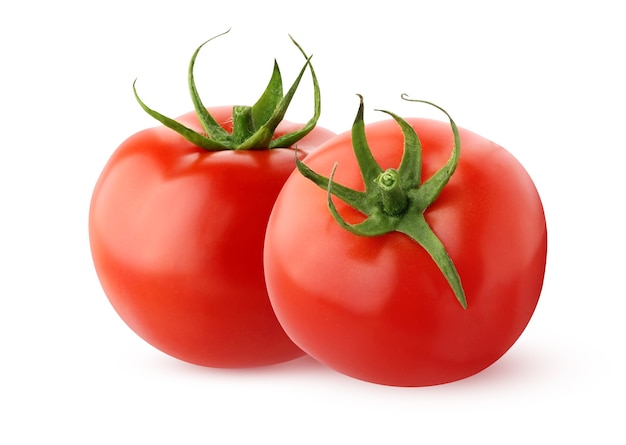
545, 79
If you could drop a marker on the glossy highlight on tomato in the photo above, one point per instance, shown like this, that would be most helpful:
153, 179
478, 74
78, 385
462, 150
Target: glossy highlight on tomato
378, 308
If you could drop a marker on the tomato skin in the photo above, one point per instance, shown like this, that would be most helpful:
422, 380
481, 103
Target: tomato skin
176, 235
377, 308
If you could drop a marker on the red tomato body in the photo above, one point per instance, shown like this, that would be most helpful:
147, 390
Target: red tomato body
378, 308
176, 235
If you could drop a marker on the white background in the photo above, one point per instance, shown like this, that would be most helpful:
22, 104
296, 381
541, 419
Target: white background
543, 78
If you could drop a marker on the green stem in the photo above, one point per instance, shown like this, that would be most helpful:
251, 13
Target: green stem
394, 199
242, 124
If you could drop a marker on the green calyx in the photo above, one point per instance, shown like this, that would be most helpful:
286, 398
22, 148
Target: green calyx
395, 199
253, 126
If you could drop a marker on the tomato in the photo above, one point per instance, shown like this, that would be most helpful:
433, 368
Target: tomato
176, 235
378, 307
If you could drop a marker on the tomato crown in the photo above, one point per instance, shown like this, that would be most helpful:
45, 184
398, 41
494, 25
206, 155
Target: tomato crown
253, 126
395, 199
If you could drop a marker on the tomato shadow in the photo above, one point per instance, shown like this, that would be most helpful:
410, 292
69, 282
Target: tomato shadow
518, 367
301, 365
297, 368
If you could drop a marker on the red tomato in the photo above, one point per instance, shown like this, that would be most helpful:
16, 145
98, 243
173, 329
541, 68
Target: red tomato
177, 236
377, 308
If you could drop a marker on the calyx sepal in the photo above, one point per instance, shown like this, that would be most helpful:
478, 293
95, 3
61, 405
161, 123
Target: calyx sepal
253, 126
